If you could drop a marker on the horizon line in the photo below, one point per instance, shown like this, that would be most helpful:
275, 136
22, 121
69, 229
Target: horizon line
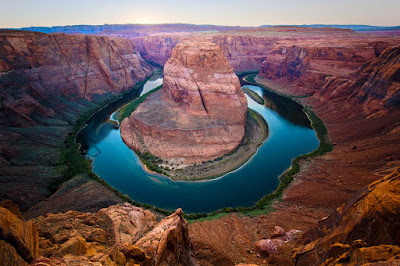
217, 25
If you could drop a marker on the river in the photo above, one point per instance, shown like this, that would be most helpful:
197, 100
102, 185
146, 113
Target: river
290, 135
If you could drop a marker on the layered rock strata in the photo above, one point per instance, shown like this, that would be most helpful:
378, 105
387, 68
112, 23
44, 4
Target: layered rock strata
37, 67
19, 240
330, 50
199, 114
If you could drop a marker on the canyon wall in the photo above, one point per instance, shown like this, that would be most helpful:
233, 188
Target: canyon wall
36, 67
46, 83
199, 114
281, 51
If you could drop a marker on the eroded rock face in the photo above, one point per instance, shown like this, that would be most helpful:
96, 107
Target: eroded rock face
200, 113
117, 235
361, 230
169, 243
130, 222
19, 243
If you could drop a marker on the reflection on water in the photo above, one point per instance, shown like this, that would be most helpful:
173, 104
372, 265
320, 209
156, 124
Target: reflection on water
286, 108
290, 135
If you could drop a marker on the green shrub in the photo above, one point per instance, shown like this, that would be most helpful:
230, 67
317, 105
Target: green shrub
126, 111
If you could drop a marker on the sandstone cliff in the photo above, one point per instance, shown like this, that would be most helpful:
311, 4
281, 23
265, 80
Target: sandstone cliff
323, 50
37, 67
377, 86
46, 83
364, 230
200, 113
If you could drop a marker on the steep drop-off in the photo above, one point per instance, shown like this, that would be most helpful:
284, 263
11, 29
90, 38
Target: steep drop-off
46, 83
199, 114
364, 230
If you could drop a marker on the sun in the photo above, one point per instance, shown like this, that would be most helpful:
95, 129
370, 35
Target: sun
146, 20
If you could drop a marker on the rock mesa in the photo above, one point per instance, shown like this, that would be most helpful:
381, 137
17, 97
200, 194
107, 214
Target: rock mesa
199, 114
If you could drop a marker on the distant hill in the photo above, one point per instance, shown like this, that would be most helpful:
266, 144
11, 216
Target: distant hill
351, 27
133, 30
141, 29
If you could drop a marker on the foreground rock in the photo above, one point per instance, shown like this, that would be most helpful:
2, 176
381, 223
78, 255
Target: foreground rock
117, 235
200, 113
271, 246
19, 241
364, 230
130, 222
169, 243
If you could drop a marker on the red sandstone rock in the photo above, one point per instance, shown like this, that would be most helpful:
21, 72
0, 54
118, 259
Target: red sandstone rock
44, 66
130, 222
268, 247
22, 235
200, 113
99, 237
367, 223
278, 232
42, 261
168, 243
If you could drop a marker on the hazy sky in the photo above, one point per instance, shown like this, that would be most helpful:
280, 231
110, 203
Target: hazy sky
21, 13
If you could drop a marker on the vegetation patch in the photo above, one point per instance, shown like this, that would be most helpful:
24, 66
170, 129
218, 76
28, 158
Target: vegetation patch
127, 110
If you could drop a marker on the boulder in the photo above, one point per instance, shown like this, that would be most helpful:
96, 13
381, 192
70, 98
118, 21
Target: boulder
168, 243
278, 232
74, 246
129, 222
268, 247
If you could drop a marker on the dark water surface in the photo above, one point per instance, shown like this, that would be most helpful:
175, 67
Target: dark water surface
290, 135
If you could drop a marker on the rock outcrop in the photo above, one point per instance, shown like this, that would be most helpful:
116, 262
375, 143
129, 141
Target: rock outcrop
19, 241
365, 229
199, 114
169, 243
377, 86
117, 235
130, 222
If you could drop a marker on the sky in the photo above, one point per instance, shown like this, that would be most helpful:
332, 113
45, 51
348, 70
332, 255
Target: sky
24, 13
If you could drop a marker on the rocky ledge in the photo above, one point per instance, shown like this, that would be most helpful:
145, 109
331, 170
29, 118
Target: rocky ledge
117, 235
200, 113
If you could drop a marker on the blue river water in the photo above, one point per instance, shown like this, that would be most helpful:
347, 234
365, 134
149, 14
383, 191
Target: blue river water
290, 135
